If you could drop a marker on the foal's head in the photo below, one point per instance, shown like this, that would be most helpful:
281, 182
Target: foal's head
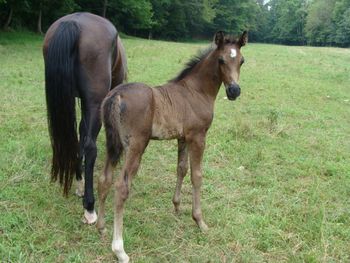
230, 60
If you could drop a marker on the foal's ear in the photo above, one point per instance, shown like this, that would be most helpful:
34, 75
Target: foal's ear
219, 39
243, 40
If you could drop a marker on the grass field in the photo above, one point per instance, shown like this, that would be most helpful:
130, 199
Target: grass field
276, 167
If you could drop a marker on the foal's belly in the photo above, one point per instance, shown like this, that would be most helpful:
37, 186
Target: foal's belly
166, 131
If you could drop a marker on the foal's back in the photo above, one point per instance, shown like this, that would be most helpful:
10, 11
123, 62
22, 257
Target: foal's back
166, 112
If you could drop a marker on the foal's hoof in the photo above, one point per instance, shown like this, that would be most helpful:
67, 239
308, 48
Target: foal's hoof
102, 231
177, 209
176, 206
203, 227
89, 218
123, 258
118, 249
80, 188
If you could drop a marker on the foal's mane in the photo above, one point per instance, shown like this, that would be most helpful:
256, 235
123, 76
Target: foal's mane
196, 59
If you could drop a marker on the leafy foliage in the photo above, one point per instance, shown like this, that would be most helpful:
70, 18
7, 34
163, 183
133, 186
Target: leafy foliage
292, 22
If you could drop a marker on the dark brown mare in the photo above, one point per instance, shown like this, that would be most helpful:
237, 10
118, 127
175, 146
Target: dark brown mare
181, 109
84, 58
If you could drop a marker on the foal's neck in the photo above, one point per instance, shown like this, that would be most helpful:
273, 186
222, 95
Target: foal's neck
205, 77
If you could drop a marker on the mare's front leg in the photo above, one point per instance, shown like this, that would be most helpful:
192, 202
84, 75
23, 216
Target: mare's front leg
196, 149
131, 165
182, 167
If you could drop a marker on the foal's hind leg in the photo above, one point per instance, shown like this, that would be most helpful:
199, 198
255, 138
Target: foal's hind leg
196, 149
182, 166
131, 165
104, 184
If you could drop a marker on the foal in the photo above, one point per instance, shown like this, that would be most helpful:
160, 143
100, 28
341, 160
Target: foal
181, 109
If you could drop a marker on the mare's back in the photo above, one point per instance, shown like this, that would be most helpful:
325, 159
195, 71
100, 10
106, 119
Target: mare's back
93, 28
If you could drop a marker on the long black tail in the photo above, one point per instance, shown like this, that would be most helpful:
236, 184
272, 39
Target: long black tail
110, 120
61, 83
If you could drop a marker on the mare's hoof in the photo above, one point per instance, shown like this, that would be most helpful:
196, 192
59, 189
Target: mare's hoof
89, 218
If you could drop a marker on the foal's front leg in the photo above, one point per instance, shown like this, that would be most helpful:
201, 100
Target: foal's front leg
196, 149
182, 166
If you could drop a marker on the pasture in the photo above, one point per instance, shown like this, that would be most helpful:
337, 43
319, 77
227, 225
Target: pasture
276, 168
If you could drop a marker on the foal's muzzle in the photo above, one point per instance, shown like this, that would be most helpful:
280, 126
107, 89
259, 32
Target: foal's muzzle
233, 91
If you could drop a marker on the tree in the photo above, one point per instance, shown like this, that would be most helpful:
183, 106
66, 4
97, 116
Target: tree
287, 21
174, 19
37, 7
261, 30
131, 16
105, 5
341, 19
14, 6
319, 26
160, 17
234, 16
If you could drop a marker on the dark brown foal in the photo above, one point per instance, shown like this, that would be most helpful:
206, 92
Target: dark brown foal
182, 109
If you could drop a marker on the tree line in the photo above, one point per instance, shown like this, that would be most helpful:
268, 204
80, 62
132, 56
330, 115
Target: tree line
292, 22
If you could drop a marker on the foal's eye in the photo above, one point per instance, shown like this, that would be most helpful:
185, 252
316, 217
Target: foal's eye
221, 61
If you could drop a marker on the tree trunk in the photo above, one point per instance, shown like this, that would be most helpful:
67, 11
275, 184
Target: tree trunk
9, 19
104, 8
39, 29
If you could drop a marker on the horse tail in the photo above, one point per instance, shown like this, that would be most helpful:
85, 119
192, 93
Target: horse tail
119, 65
123, 59
61, 85
110, 117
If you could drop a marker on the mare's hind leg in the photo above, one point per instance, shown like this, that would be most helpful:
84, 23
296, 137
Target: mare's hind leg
90, 151
196, 149
79, 170
104, 184
131, 165
182, 167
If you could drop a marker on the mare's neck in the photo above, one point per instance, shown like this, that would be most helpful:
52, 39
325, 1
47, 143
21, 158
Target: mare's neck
205, 77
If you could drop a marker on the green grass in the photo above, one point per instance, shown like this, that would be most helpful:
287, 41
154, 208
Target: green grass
276, 167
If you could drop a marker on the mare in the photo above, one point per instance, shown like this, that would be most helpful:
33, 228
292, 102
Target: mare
84, 58
182, 109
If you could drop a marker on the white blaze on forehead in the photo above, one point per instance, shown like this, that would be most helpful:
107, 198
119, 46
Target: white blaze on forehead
233, 53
